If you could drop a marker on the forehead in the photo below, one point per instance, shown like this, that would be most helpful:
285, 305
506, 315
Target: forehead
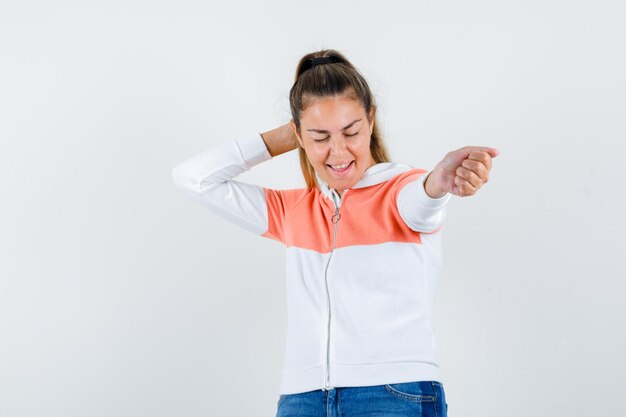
331, 113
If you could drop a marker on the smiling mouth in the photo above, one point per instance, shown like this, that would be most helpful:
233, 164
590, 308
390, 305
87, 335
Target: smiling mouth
341, 167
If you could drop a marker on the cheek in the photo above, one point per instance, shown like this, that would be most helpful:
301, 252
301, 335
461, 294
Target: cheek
316, 157
362, 149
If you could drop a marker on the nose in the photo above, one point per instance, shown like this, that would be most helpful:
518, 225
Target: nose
337, 146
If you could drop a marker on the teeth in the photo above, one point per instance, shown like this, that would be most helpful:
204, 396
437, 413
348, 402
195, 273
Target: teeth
340, 166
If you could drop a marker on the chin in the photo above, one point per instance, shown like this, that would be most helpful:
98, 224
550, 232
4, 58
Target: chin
341, 186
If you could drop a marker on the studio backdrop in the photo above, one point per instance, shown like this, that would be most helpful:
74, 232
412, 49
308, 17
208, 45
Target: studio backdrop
119, 296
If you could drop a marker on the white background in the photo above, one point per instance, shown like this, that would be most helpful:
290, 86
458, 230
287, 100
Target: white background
120, 297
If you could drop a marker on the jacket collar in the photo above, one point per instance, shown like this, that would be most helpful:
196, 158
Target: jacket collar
375, 174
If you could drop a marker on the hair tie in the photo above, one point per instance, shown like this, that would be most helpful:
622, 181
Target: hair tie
310, 63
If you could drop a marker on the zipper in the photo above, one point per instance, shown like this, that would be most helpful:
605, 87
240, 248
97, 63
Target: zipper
335, 220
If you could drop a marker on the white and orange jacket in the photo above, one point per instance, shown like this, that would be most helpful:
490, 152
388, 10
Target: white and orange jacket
362, 270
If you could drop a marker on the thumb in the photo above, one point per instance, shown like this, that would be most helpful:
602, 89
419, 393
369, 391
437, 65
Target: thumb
493, 152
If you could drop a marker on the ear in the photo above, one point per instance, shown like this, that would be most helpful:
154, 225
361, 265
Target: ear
370, 117
295, 132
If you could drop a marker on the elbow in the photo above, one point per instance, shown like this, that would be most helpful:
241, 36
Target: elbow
189, 181
182, 179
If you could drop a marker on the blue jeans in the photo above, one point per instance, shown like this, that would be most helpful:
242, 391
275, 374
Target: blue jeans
416, 399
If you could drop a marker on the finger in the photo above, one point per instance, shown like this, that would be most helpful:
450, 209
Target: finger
482, 157
463, 191
463, 187
469, 176
493, 152
477, 168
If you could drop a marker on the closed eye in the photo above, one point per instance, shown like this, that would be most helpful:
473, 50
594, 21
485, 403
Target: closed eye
325, 139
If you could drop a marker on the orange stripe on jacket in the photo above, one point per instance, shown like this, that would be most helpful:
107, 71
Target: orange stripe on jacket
302, 217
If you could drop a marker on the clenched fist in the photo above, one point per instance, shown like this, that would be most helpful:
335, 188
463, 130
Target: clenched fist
461, 172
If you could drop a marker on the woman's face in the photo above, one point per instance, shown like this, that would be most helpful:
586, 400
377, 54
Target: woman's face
335, 134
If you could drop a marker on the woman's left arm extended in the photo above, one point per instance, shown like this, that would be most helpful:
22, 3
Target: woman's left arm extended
421, 203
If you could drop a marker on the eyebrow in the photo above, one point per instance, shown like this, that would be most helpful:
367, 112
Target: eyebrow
326, 131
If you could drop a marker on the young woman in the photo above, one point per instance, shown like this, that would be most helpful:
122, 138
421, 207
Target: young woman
363, 245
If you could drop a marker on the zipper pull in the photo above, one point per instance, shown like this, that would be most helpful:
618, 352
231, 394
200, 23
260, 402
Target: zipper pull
336, 216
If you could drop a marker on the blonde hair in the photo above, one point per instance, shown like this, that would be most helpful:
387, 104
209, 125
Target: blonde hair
337, 78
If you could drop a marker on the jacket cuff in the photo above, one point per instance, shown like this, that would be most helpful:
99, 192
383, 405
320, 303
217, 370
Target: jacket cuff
428, 201
253, 149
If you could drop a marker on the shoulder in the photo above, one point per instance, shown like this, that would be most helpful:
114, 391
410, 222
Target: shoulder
411, 174
289, 198
398, 175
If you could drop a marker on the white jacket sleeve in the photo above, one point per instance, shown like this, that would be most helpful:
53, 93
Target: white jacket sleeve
419, 211
208, 179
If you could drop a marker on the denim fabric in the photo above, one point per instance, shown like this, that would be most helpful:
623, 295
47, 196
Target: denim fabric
415, 399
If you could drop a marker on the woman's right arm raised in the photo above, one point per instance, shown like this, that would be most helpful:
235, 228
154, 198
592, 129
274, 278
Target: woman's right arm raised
208, 177
280, 140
